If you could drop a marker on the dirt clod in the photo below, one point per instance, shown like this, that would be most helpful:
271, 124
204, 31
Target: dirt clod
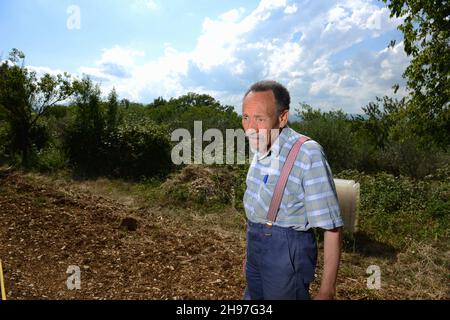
129, 224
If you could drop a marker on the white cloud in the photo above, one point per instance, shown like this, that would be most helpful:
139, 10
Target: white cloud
151, 5
40, 71
268, 5
116, 62
291, 9
358, 80
123, 56
310, 46
232, 15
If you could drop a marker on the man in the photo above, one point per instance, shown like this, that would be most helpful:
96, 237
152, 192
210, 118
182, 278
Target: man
281, 257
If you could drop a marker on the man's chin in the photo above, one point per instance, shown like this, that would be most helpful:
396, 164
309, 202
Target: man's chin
256, 146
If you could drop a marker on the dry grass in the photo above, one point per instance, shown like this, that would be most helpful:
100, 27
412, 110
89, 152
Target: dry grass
423, 271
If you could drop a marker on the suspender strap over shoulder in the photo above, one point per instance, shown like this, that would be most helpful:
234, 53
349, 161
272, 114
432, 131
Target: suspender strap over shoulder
282, 181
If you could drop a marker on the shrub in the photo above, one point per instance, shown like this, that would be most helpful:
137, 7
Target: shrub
51, 159
4, 142
83, 147
396, 209
333, 132
137, 151
131, 152
407, 158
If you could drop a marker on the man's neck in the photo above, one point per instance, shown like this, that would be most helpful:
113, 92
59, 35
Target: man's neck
269, 146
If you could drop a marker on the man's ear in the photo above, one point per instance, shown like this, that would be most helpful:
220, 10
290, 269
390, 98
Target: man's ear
283, 118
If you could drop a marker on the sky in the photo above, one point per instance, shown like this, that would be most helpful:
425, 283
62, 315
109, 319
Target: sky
330, 54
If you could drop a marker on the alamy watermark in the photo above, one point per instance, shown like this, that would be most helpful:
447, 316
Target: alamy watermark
74, 279
374, 280
74, 17
212, 147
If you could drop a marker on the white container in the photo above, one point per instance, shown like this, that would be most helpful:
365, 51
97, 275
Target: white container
348, 192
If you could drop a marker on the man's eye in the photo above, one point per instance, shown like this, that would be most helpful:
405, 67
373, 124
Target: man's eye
261, 119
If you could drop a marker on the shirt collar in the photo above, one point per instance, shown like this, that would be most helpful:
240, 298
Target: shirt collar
276, 147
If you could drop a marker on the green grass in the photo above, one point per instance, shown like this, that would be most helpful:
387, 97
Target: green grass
396, 210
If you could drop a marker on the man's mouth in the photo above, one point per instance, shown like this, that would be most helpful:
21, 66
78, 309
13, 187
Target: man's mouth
254, 140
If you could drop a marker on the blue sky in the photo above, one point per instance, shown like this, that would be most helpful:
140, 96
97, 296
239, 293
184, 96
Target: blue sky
330, 54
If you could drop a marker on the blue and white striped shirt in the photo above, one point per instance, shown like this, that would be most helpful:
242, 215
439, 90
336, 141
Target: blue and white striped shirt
309, 199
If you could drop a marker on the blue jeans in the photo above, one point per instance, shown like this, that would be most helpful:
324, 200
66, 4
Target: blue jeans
280, 263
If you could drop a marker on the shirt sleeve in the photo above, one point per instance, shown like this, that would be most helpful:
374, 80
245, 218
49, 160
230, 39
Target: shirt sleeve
321, 202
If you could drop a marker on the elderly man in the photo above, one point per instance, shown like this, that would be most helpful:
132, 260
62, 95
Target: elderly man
281, 254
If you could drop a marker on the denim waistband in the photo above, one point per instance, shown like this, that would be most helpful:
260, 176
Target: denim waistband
262, 227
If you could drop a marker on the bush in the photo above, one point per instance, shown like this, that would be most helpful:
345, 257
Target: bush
4, 142
137, 151
51, 159
83, 147
333, 132
395, 210
407, 158
184, 110
378, 144
131, 152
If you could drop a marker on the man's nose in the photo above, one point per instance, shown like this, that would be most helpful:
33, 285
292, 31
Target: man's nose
252, 124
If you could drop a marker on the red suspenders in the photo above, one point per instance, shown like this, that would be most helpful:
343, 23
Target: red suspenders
282, 180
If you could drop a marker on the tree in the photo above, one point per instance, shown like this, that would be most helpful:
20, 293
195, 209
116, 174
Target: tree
426, 31
87, 99
25, 98
112, 116
181, 112
83, 140
382, 116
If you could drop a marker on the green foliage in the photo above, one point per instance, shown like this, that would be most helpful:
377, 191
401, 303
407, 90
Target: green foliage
396, 210
134, 113
112, 116
99, 144
240, 185
25, 98
408, 158
137, 151
83, 140
333, 131
183, 111
378, 142
390, 143
4, 141
382, 116
426, 31
88, 102
51, 159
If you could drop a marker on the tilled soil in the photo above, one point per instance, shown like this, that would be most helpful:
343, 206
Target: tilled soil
122, 253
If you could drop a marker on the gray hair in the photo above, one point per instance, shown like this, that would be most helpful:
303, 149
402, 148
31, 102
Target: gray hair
282, 97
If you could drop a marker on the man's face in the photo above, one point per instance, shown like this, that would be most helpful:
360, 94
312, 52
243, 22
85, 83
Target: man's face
259, 117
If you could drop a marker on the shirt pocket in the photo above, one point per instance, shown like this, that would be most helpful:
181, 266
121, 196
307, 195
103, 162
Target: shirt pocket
267, 188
